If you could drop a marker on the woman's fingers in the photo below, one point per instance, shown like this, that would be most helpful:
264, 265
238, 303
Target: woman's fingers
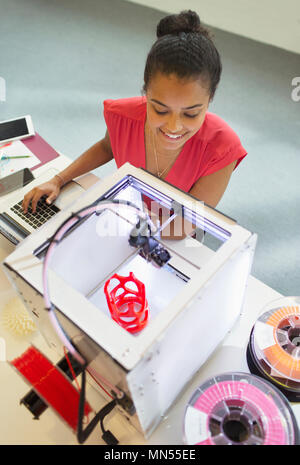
51, 198
36, 197
27, 200
49, 189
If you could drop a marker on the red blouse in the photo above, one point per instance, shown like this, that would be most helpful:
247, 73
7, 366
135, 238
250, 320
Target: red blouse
213, 147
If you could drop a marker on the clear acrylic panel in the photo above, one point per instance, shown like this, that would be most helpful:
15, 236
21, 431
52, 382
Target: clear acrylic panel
98, 248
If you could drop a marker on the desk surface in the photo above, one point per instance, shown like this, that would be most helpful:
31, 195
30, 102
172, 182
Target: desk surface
19, 426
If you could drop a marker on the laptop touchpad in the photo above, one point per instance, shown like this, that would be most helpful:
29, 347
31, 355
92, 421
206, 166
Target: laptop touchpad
68, 194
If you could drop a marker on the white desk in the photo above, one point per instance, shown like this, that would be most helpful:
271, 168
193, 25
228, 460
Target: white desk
17, 425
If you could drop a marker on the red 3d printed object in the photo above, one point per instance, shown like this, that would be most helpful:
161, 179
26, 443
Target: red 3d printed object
127, 302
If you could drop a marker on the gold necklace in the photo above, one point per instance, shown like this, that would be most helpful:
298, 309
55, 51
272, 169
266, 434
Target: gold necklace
161, 173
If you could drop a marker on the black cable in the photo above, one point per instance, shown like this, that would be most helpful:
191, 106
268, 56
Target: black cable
83, 434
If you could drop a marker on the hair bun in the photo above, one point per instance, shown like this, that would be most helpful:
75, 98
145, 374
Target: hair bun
186, 21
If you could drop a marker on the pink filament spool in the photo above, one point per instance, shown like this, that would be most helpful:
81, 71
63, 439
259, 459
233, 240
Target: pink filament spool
239, 409
127, 302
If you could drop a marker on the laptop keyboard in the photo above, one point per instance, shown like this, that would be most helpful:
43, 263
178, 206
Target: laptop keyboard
42, 214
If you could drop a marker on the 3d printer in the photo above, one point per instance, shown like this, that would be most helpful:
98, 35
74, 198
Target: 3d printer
193, 281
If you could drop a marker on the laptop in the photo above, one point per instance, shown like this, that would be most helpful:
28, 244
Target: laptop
15, 225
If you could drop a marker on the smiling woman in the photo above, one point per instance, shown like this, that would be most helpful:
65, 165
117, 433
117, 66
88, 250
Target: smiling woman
169, 130
175, 112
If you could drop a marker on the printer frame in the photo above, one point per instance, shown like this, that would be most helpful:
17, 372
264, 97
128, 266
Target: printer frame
153, 367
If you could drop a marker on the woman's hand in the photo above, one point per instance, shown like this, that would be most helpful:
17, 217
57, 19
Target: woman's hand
94, 157
50, 188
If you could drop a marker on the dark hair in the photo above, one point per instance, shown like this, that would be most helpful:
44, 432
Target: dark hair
185, 48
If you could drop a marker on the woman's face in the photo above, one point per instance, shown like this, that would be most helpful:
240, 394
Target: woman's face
175, 109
